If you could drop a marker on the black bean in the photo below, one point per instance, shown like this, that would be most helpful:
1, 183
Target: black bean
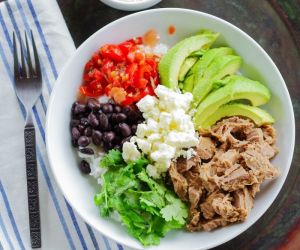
78, 116
108, 146
126, 109
120, 117
79, 108
84, 121
97, 137
103, 122
109, 127
87, 151
87, 131
133, 116
133, 128
81, 128
108, 136
113, 118
117, 109
117, 140
92, 118
83, 141
85, 167
107, 108
117, 128
75, 133
125, 129
109, 116
73, 107
127, 139
140, 121
74, 122
93, 104
74, 143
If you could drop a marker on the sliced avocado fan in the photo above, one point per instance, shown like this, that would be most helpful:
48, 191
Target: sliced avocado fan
170, 64
219, 68
237, 88
201, 65
257, 115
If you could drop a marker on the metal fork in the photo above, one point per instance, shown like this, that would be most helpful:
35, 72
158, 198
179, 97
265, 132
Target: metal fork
28, 82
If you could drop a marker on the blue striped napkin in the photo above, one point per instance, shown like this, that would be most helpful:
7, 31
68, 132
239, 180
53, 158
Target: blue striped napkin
62, 228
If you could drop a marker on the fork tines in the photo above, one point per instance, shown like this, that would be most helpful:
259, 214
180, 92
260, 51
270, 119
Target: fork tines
26, 71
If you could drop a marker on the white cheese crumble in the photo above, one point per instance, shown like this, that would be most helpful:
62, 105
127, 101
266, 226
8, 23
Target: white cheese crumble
167, 133
130, 152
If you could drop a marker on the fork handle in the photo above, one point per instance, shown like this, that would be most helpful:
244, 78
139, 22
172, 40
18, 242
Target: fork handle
32, 186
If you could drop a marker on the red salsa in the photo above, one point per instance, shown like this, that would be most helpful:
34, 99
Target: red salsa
124, 72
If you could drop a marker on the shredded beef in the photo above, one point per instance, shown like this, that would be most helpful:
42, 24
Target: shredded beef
206, 148
221, 181
179, 182
214, 223
184, 164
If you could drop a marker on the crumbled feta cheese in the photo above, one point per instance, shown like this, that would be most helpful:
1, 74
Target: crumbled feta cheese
167, 133
141, 130
147, 103
170, 100
144, 145
163, 153
152, 171
181, 139
130, 152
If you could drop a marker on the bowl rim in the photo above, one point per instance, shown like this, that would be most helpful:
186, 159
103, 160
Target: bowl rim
82, 47
130, 5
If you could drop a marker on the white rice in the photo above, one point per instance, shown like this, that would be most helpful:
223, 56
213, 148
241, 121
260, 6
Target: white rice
94, 160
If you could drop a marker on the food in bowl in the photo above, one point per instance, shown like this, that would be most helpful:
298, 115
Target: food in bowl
198, 148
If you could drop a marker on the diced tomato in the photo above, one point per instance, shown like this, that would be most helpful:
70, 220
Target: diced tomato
112, 51
125, 47
131, 69
128, 101
136, 40
139, 56
96, 58
107, 89
86, 90
130, 56
124, 72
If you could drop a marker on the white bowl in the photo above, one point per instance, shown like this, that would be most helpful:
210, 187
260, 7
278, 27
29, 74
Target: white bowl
79, 189
130, 5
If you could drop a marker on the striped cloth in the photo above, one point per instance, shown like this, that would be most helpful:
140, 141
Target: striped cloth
62, 228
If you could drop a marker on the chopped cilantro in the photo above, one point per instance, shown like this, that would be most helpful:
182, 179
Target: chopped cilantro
147, 208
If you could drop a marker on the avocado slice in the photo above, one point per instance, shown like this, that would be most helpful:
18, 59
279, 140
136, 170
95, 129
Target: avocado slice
170, 63
208, 57
188, 84
238, 87
186, 66
198, 53
202, 64
218, 69
257, 115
